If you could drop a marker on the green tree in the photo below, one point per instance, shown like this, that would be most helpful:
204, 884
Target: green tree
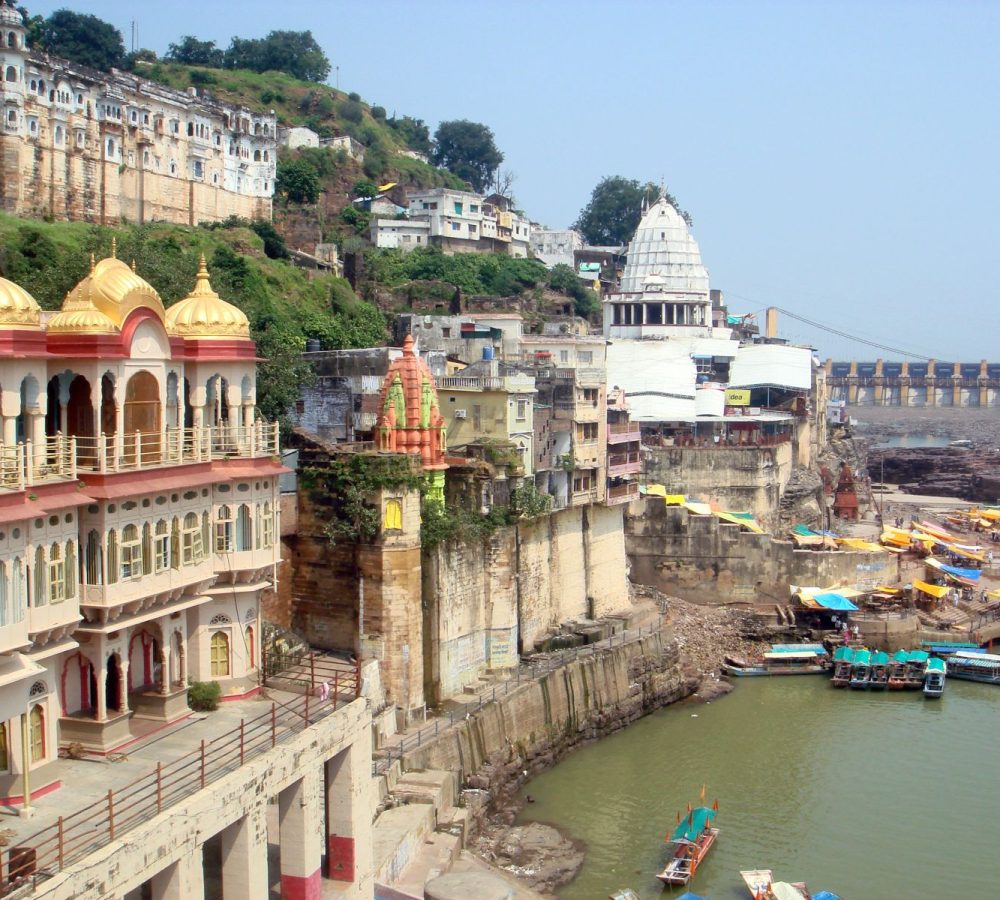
364, 188
414, 132
562, 278
468, 150
82, 38
614, 210
297, 181
294, 52
192, 52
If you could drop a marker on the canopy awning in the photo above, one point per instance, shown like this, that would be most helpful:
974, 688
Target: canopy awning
692, 825
934, 590
834, 601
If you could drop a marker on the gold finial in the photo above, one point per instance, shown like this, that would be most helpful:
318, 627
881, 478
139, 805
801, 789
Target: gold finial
202, 286
93, 263
114, 248
133, 263
202, 267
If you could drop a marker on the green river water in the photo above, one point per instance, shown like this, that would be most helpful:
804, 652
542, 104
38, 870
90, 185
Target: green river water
871, 795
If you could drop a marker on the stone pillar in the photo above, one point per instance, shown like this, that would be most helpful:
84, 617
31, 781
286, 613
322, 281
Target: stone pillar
38, 437
182, 880
349, 838
300, 833
164, 668
123, 684
101, 701
244, 856
9, 431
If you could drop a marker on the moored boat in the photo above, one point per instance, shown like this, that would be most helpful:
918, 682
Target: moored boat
969, 666
843, 660
690, 842
762, 886
915, 664
781, 659
861, 669
934, 677
880, 670
897, 670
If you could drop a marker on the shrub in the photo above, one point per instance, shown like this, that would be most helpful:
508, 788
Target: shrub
354, 96
352, 111
203, 696
198, 77
378, 112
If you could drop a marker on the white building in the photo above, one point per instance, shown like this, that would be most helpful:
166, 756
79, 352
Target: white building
404, 234
555, 246
297, 136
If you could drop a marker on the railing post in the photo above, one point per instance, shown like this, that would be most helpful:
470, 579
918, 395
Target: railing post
242, 740
111, 815
159, 787
62, 845
72, 456
203, 762
305, 711
102, 453
336, 687
138, 449
29, 462
273, 726
312, 670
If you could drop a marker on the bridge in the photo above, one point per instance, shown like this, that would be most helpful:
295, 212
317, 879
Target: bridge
921, 384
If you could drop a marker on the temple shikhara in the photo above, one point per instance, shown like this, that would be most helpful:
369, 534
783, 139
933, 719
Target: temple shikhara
138, 519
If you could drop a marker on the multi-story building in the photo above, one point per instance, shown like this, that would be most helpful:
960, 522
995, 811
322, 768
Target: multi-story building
570, 416
624, 450
101, 147
555, 246
138, 514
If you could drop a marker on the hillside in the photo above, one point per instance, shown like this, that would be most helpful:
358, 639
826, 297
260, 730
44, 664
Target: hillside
285, 305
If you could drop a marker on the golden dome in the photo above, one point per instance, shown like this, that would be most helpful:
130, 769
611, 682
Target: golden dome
204, 314
81, 321
18, 309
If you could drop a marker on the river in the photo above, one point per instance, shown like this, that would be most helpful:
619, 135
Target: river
871, 795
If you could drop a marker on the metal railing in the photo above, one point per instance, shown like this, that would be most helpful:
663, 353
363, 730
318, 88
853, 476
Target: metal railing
624, 428
528, 671
618, 491
74, 836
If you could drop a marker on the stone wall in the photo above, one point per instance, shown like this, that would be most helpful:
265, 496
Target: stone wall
532, 727
705, 560
749, 479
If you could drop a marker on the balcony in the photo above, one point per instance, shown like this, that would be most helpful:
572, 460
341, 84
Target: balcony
622, 493
140, 587
623, 432
61, 457
624, 464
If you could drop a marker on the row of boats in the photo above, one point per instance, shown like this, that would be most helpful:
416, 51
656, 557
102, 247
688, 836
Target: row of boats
860, 668
690, 841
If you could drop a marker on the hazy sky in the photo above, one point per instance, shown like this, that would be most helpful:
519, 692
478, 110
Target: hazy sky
840, 159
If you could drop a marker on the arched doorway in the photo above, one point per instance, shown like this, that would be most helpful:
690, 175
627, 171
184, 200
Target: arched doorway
142, 414
113, 685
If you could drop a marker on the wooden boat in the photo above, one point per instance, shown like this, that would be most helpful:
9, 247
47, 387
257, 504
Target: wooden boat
781, 659
843, 660
762, 886
981, 667
690, 842
934, 677
880, 670
861, 669
915, 665
897, 670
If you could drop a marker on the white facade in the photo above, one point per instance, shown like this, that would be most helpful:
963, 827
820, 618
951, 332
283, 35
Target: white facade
404, 234
296, 137
555, 246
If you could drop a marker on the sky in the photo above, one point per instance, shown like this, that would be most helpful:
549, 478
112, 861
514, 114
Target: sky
839, 159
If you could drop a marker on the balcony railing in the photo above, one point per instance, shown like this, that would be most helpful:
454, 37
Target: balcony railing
624, 463
62, 456
621, 432
622, 493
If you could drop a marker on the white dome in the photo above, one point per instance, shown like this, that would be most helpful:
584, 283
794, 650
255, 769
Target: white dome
663, 253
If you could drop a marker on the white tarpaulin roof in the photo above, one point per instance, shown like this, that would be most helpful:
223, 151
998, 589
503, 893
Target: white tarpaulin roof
772, 365
658, 378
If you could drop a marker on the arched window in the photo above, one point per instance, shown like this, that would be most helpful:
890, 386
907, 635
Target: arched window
393, 519
224, 529
220, 654
41, 597
11, 39
58, 137
5, 612
244, 528
161, 547
57, 575
256, 156
112, 556
248, 638
191, 547
36, 723
10, 74
267, 156
111, 147
147, 550
92, 558
175, 544
70, 569
206, 534
18, 589
131, 553
267, 525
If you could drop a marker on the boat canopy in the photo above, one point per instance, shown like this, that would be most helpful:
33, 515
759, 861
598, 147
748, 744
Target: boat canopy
978, 661
843, 654
936, 665
838, 602
692, 825
806, 654
956, 571
949, 646
918, 656
782, 890
797, 648
862, 658
880, 658
825, 895
687, 895
901, 656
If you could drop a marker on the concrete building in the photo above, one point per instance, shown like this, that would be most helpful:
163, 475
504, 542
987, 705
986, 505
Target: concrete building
467, 338
297, 136
555, 246
98, 147
401, 234
624, 450
354, 149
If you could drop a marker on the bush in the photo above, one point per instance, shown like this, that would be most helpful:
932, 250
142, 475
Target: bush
352, 111
378, 112
356, 97
203, 696
274, 243
199, 77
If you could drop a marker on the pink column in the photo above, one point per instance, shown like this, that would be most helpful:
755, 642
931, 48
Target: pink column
349, 841
300, 820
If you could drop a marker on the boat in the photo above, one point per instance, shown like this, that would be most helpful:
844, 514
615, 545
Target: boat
880, 670
843, 660
915, 665
690, 842
897, 670
781, 659
968, 666
861, 670
947, 648
934, 677
762, 886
